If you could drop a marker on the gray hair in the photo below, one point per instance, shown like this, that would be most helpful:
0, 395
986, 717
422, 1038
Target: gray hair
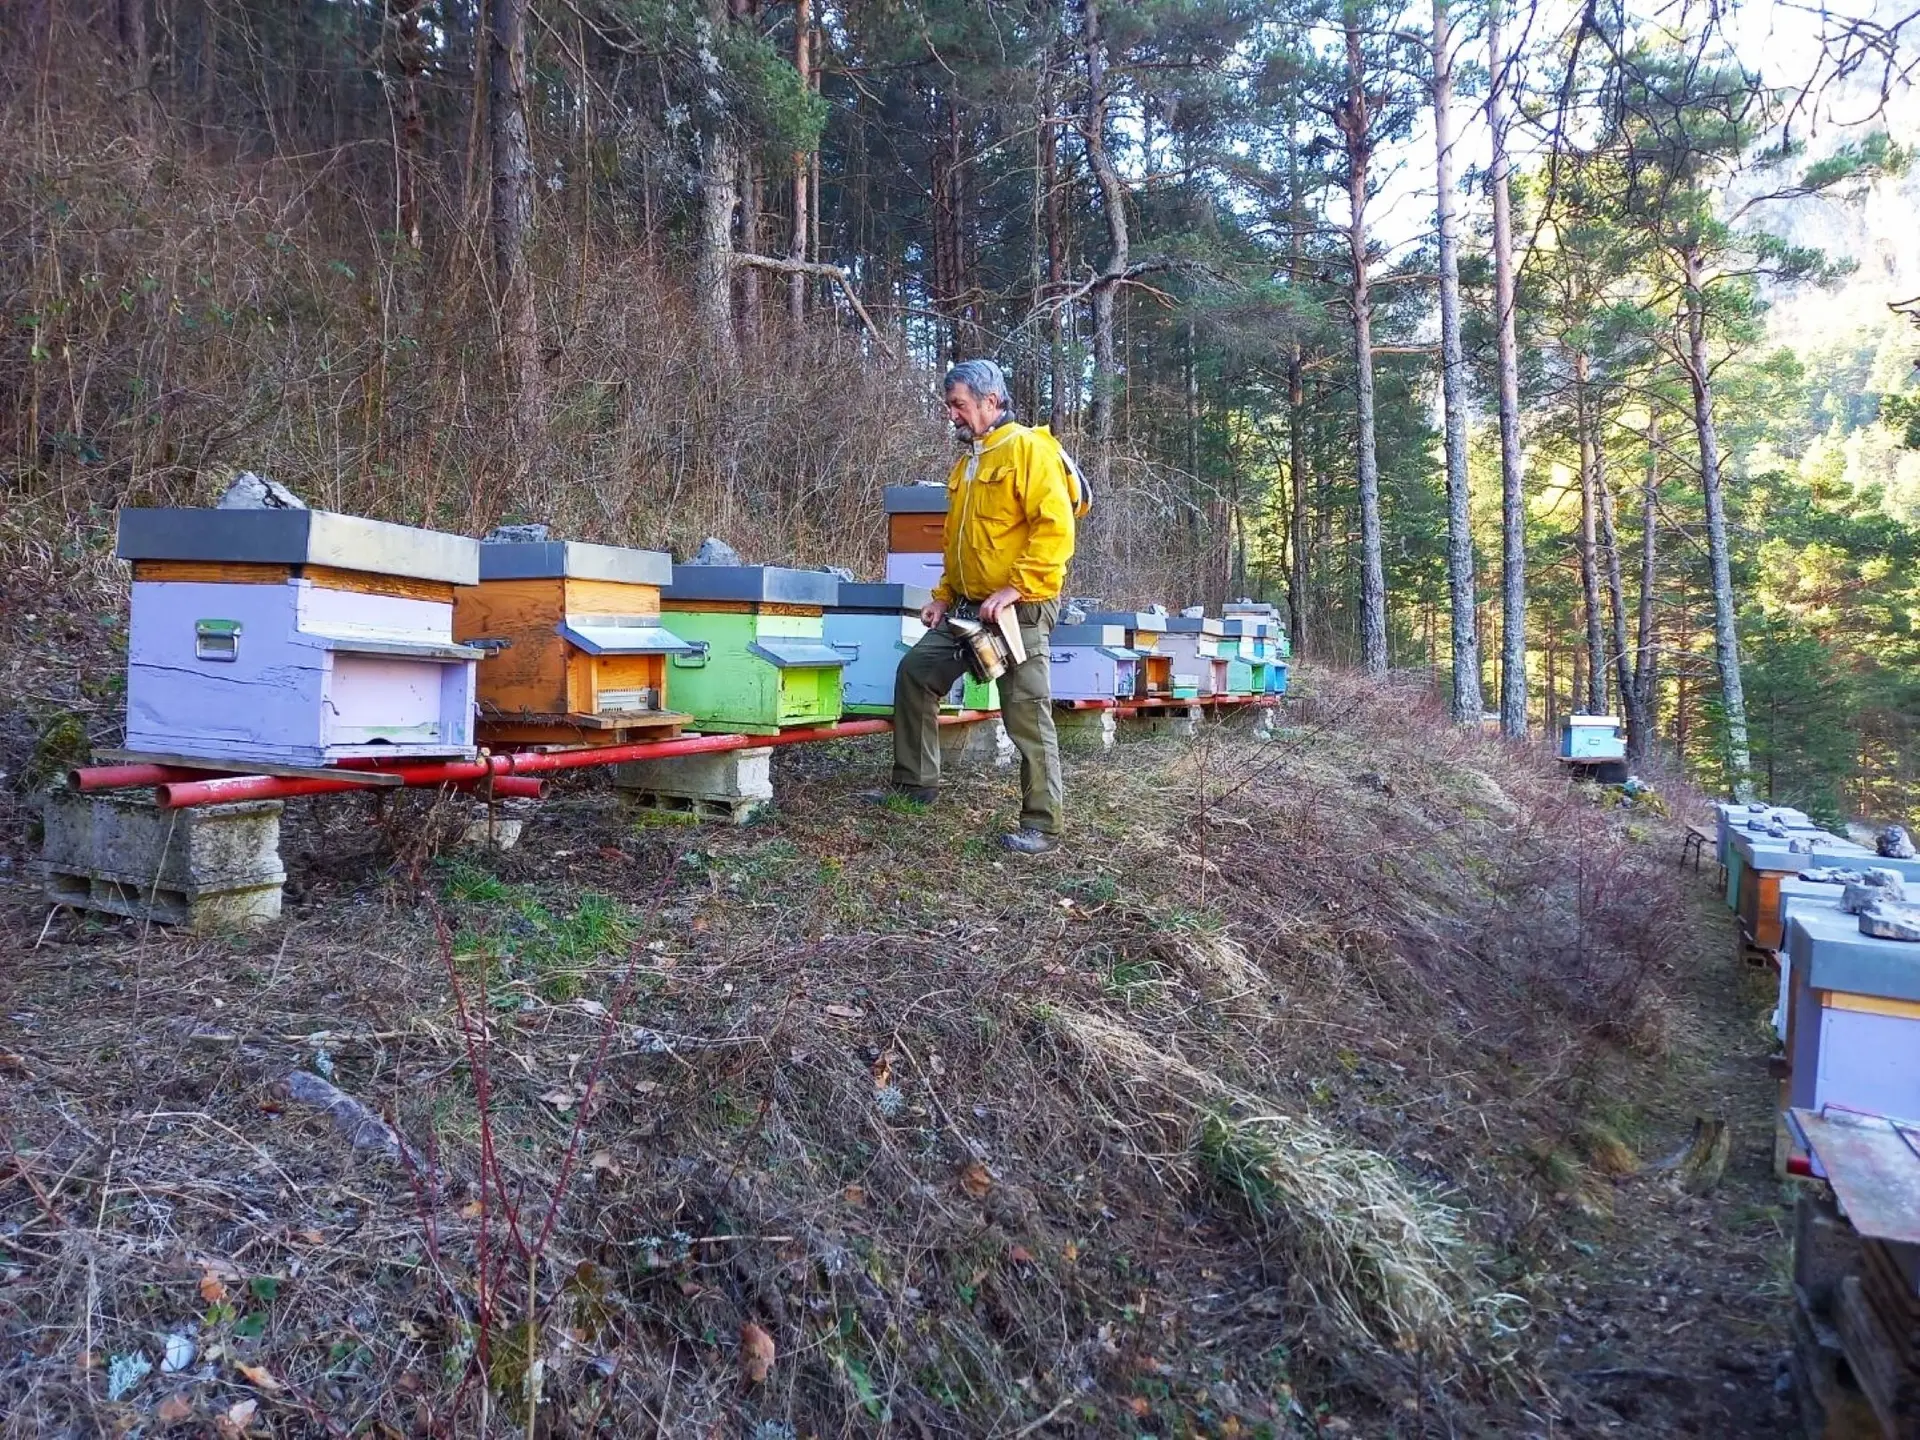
984, 378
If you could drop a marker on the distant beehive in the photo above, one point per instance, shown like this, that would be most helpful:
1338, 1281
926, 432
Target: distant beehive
1193, 643
578, 651
1593, 737
1092, 662
761, 662
1141, 632
295, 637
916, 521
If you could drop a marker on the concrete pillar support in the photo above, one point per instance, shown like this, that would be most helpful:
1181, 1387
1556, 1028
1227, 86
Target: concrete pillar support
976, 743
730, 786
211, 867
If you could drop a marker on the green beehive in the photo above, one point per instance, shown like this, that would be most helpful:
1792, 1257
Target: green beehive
761, 661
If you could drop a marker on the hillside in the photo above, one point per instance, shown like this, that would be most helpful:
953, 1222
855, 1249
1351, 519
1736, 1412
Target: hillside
1303, 1094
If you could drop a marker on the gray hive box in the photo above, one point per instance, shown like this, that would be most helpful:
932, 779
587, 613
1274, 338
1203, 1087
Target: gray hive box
916, 500
573, 560
883, 599
299, 537
751, 585
1106, 634
1153, 621
1195, 625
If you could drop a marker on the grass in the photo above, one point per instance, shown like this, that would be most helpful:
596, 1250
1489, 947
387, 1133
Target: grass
973, 1142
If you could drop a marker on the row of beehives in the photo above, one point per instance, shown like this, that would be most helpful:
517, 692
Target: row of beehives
303, 637
1848, 1018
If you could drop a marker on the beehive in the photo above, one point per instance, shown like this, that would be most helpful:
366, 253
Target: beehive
1092, 662
872, 627
1853, 1024
1141, 632
1756, 859
1280, 648
577, 652
916, 519
295, 637
1593, 737
1250, 640
1195, 644
760, 660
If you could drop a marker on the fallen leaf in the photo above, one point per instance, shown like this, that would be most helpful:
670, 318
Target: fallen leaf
592, 1007
645, 1087
883, 1070
846, 1012
564, 1097
310, 1236
603, 1160
13, 1064
700, 922
1070, 1252
212, 1288
1140, 1407
238, 1417
613, 853
175, 1408
1020, 1255
472, 1210
976, 1180
259, 1375
214, 1265
756, 1353
856, 1195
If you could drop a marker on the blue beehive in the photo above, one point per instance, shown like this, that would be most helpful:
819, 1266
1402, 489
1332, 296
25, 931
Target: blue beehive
1593, 737
1275, 632
873, 626
1092, 662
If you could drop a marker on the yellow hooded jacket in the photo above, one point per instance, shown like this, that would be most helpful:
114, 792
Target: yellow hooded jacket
1009, 517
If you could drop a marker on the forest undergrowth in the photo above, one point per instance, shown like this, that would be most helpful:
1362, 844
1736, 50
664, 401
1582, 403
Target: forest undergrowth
1280, 1105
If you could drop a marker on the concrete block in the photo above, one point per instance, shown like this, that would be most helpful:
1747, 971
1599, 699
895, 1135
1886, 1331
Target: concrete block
730, 786
1085, 729
979, 742
211, 867
1176, 722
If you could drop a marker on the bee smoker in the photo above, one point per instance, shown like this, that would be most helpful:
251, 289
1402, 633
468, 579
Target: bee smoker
989, 649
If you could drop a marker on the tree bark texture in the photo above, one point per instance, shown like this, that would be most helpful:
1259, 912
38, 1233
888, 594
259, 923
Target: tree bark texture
512, 235
1113, 201
1594, 700
1461, 586
1513, 499
797, 245
1355, 124
1726, 631
1646, 659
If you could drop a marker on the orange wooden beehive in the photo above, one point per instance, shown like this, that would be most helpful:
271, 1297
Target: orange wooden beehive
577, 653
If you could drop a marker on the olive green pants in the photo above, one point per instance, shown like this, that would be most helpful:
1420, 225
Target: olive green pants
928, 671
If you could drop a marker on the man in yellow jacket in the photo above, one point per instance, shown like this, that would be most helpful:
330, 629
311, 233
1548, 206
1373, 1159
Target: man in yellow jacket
1008, 538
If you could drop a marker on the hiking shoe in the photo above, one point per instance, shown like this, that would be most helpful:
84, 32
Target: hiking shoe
1029, 842
918, 794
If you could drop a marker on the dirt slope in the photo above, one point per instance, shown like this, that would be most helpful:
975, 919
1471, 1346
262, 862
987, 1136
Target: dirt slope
1306, 1093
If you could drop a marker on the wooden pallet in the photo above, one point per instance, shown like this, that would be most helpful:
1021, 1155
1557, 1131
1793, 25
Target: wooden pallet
1885, 1370
1832, 1405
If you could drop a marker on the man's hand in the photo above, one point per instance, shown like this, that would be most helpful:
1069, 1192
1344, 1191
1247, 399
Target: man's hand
932, 613
991, 607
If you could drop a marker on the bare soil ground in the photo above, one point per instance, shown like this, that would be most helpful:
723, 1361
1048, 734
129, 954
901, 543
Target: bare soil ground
1311, 1091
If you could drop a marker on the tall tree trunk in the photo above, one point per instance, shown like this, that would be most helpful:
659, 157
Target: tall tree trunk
1297, 574
1610, 573
1595, 700
1460, 573
1113, 200
409, 44
512, 232
1726, 632
797, 245
1057, 391
1513, 498
1356, 124
713, 277
752, 242
1640, 706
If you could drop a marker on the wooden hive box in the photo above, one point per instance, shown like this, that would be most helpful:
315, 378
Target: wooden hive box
1730, 815
1756, 862
1142, 631
578, 653
873, 626
1091, 661
761, 662
295, 637
1274, 631
1194, 642
916, 524
1853, 1022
